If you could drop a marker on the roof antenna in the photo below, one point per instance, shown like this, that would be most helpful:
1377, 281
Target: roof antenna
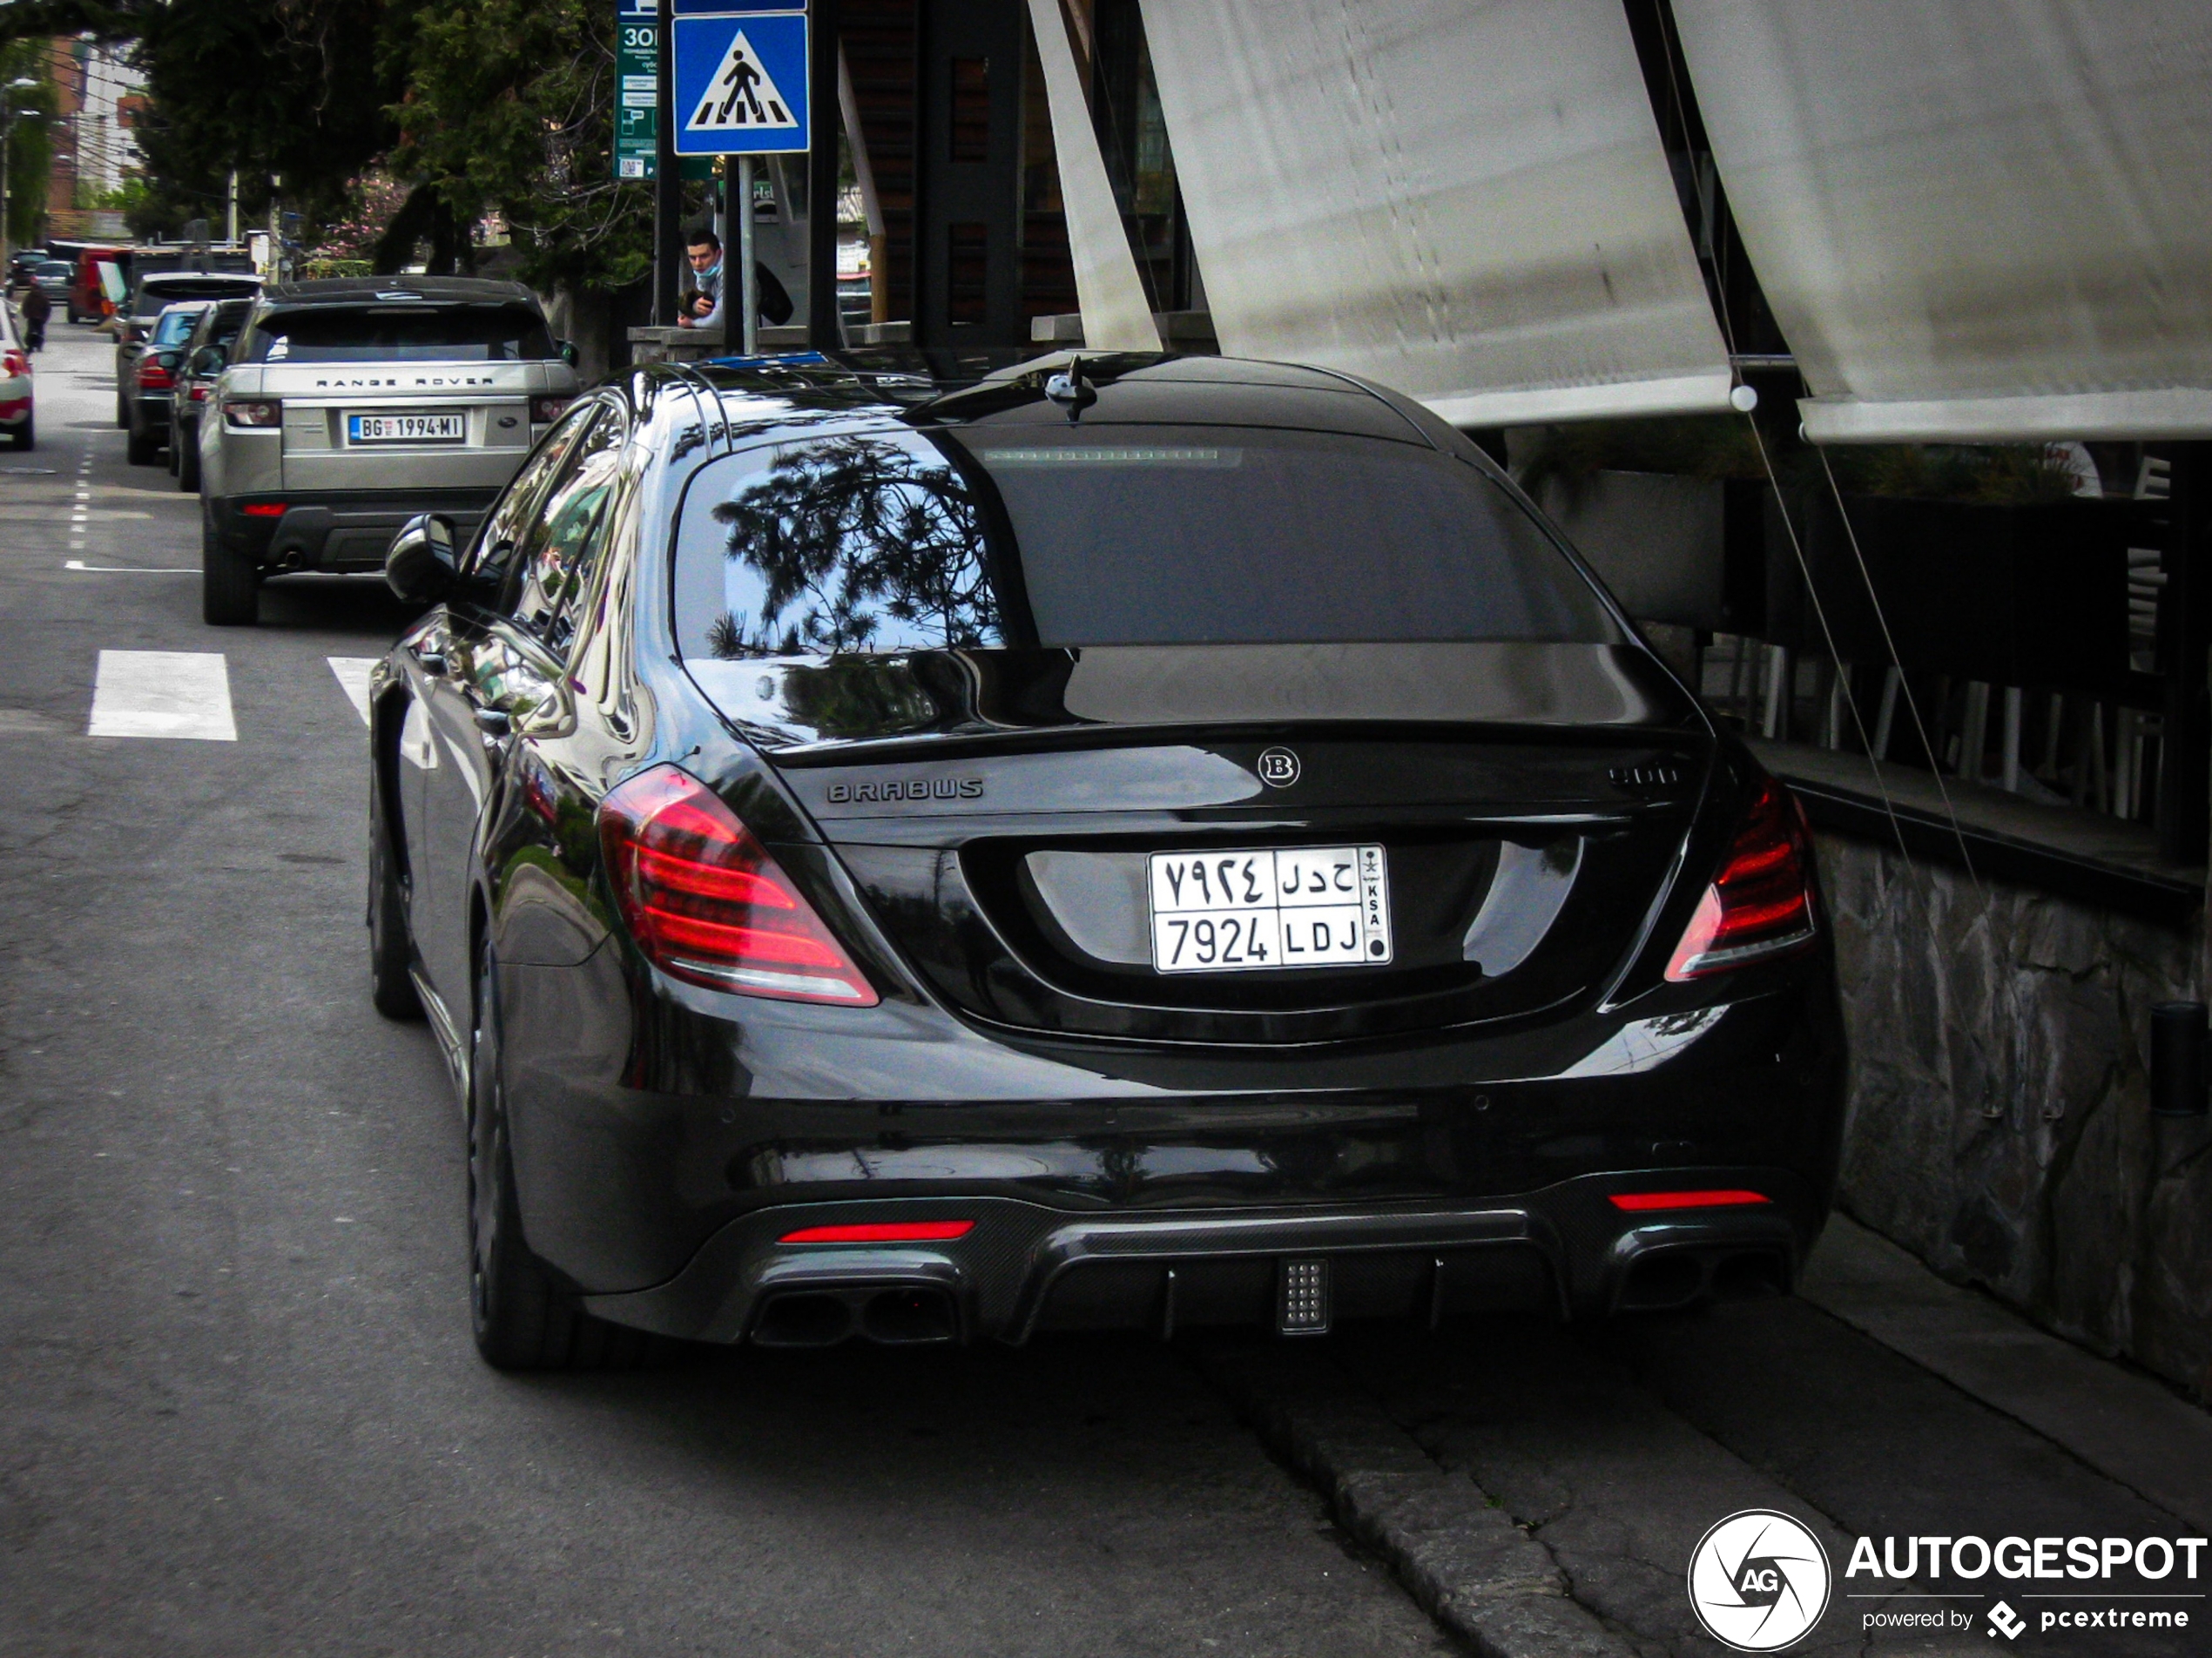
1069, 389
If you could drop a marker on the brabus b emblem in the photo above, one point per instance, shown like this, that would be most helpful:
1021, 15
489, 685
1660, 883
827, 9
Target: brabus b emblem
1279, 767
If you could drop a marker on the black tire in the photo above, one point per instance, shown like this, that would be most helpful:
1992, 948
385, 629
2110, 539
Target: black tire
26, 436
523, 1318
122, 413
389, 952
230, 586
176, 449
142, 448
187, 469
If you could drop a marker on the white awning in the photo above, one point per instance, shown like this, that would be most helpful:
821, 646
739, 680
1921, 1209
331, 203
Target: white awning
1108, 286
1980, 220
1466, 202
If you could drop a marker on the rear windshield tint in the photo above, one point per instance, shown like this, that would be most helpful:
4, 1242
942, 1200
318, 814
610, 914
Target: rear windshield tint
1111, 536
170, 290
174, 327
392, 333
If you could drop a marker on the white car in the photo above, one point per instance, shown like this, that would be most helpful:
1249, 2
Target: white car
15, 380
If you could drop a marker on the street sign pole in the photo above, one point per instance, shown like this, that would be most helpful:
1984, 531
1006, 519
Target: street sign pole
668, 182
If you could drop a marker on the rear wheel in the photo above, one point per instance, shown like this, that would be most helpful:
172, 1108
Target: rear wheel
230, 586
122, 412
522, 1319
390, 987
142, 448
186, 455
26, 438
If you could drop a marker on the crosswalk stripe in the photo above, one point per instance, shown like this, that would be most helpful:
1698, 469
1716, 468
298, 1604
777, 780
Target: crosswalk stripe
353, 674
162, 693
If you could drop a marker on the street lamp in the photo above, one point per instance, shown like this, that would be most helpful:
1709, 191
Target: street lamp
9, 116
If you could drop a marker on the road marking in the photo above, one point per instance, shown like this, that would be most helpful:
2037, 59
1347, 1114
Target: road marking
353, 674
82, 568
162, 693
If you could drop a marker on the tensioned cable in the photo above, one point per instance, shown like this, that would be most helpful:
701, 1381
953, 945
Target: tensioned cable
1911, 702
1670, 40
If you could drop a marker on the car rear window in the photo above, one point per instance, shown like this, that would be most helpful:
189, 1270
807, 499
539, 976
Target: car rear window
397, 333
173, 328
1112, 536
157, 292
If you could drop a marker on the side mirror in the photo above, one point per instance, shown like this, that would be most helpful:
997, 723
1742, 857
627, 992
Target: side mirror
210, 359
422, 566
565, 349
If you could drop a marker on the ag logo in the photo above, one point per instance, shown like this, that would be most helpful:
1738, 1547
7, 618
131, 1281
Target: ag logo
1758, 1581
1279, 767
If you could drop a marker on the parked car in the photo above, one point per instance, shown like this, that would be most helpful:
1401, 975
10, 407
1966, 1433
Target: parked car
205, 355
150, 295
52, 277
17, 414
87, 300
22, 262
146, 396
1167, 842
352, 404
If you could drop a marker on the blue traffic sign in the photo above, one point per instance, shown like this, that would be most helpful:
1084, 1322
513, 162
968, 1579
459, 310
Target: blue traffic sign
741, 82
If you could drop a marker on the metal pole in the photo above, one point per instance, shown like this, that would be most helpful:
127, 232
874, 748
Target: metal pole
7, 143
824, 118
231, 235
748, 288
668, 183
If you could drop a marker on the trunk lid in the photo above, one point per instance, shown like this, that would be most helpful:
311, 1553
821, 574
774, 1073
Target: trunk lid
1001, 811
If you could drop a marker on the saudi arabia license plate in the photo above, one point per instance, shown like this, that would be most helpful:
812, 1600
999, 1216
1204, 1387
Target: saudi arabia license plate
1301, 906
406, 429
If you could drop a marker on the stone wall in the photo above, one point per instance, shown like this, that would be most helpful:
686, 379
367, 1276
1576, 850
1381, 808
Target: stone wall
1999, 1125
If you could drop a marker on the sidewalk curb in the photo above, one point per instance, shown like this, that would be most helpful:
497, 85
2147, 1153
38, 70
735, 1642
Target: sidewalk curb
1465, 1561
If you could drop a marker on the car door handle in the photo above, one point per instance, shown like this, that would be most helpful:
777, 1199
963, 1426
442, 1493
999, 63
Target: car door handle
493, 722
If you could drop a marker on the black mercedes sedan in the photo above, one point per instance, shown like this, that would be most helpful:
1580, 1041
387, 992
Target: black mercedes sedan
1127, 843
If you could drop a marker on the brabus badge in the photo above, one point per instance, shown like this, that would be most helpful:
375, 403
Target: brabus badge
842, 794
1279, 767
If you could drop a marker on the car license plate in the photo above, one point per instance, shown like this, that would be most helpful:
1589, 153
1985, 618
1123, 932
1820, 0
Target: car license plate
1299, 906
406, 429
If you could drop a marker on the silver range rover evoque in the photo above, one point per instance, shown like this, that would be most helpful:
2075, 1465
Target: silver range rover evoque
347, 406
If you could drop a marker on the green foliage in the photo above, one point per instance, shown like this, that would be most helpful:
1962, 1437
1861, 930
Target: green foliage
31, 144
508, 106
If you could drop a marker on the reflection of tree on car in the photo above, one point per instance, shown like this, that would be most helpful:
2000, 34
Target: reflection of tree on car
849, 535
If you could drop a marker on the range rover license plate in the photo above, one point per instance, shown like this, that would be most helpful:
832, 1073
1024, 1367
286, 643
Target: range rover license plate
1297, 906
406, 429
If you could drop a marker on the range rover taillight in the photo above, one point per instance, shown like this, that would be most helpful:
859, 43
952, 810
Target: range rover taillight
1760, 905
705, 902
546, 410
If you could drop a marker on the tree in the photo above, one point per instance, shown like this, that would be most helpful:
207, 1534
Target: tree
31, 143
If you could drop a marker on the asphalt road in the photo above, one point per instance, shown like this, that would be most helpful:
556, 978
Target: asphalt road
239, 1412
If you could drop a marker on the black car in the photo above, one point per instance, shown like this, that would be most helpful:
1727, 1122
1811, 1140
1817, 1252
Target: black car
157, 354
1158, 843
200, 362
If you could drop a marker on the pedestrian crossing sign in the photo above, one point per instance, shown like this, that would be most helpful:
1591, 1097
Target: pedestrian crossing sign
741, 82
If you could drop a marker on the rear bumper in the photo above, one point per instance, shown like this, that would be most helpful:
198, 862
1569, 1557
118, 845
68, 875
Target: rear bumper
348, 532
1024, 1267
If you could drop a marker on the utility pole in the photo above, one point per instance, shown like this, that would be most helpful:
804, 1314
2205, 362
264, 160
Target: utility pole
668, 179
231, 231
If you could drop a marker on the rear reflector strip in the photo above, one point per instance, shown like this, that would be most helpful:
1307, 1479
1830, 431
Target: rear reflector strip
881, 1233
1637, 1202
263, 509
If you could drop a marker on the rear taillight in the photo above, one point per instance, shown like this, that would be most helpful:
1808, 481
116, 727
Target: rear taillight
546, 410
198, 394
154, 375
13, 364
707, 904
252, 414
1760, 905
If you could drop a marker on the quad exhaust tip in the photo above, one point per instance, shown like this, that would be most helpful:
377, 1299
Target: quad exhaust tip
1669, 1279
891, 1316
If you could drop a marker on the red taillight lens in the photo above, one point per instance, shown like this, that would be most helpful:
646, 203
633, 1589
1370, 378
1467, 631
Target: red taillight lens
14, 365
1647, 1202
263, 509
252, 414
707, 904
882, 1232
154, 375
198, 393
1760, 905
546, 410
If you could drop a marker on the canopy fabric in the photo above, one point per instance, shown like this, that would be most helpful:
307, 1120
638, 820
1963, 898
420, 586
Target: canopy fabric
1108, 287
1467, 202
1985, 220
